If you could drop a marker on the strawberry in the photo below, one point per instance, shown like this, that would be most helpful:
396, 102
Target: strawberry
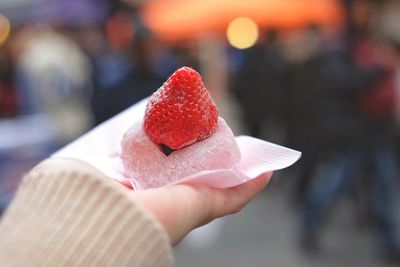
181, 112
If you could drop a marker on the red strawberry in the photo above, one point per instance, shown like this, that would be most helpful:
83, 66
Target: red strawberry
181, 112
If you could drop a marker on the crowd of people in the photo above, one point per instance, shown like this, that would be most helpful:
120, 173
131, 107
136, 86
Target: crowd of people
337, 101
331, 93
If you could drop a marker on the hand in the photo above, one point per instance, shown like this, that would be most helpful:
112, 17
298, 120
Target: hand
178, 208
184, 207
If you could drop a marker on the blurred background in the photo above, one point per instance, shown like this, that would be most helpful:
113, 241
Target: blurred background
320, 76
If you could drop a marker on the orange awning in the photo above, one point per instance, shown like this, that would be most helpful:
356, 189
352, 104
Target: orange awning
180, 19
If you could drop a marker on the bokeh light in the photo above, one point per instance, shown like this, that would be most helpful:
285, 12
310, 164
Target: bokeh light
242, 33
4, 28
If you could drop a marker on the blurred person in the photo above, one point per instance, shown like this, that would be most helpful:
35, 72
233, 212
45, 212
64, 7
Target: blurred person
396, 81
68, 213
92, 39
110, 67
139, 82
378, 105
8, 110
53, 77
108, 48
132, 64
347, 145
354, 128
389, 20
303, 53
8, 93
396, 57
258, 86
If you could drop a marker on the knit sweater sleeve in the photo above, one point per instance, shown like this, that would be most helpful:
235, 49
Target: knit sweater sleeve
79, 218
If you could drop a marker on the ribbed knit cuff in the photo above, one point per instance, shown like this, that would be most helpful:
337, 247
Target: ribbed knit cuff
77, 218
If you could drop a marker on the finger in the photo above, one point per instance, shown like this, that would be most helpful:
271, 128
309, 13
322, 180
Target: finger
232, 200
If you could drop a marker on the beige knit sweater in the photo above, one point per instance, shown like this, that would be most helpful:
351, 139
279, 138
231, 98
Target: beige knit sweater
78, 218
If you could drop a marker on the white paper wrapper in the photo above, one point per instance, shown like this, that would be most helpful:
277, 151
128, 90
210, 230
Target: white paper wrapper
101, 147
